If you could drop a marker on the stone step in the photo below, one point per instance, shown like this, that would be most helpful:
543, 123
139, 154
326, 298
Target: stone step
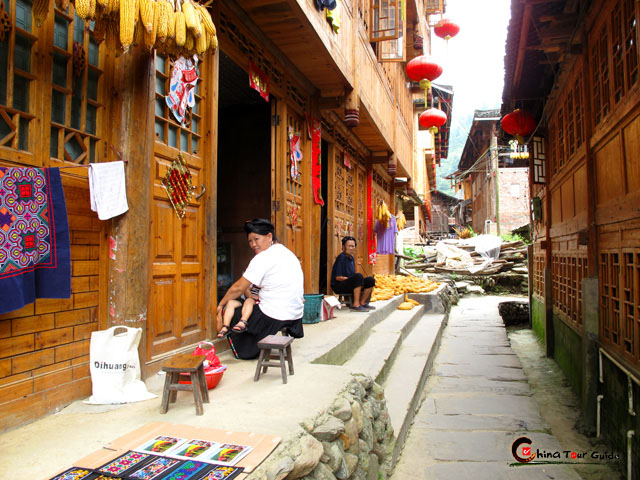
407, 376
377, 354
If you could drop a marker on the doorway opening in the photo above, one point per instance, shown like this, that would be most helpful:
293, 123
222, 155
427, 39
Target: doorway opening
244, 168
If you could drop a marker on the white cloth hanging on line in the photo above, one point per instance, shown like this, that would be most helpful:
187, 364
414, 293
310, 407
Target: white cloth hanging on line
107, 189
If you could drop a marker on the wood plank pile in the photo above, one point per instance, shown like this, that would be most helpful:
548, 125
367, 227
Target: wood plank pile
512, 258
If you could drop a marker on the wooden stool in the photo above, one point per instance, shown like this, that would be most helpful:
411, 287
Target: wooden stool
194, 366
276, 342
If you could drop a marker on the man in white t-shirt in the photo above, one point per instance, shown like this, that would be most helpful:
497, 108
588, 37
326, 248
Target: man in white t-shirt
276, 271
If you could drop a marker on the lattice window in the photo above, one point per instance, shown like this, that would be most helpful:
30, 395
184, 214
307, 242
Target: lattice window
561, 150
630, 299
433, 6
186, 137
630, 47
578, 111
75, 98
16, 77
600, 75
296, 96
567, 272
610, 297
539, 265
350, 193
385, 20
617, 54
570, 125
538, 160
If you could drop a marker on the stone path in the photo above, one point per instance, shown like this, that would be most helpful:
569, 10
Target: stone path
478, 402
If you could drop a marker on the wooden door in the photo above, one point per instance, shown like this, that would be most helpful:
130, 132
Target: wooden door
294, 188
176, 306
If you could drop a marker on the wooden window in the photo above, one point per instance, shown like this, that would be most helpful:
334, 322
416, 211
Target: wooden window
600, 75
561, 147
75, 102
617, 54
385, 20
570, 125
630, 48
578, 111
187, 136
433, 6
539, 264
16, 79
538, 160
567, 271
620, 300
609, 297
388, 19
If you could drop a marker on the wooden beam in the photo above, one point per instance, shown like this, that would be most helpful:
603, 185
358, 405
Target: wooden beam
379, 157
522, 47
329, 103
272, 48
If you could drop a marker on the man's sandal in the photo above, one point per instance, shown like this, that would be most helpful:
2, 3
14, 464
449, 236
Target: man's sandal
224, 331
237, 328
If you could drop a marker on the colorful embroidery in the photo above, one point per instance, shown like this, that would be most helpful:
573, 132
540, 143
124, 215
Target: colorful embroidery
154, 468
25, 238
187, 470
125, 462
73, 473
222, 473
34, 237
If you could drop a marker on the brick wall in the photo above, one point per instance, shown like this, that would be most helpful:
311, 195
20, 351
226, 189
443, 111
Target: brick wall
514, 198
44, 346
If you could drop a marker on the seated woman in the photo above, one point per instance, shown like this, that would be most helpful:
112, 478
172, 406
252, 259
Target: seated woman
344, 278
277, 272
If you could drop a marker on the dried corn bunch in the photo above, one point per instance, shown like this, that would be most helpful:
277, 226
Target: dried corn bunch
387, 286
383, 215
173, 27
40, 11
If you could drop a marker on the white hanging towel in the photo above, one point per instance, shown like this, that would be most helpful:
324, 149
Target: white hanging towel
107, 189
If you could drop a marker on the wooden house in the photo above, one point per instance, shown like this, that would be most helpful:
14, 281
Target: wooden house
495, 184
574, 66
336, 83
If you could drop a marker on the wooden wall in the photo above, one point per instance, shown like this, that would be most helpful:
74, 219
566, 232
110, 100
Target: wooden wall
44, 347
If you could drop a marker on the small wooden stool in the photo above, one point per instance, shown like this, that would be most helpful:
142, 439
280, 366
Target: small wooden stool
194, 366
346, 298
283, 345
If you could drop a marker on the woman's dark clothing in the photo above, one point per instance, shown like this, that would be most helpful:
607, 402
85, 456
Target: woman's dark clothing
245, 344
345, 266
354, 281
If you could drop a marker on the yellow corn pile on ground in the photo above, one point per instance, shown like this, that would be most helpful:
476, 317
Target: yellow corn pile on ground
387, 286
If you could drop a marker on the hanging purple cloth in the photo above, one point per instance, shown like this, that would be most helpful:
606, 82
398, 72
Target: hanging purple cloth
35, 258
387, 237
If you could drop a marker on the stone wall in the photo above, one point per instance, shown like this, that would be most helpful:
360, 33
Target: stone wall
352, 439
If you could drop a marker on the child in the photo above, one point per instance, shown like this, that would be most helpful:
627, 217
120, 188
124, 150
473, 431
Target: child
224, 320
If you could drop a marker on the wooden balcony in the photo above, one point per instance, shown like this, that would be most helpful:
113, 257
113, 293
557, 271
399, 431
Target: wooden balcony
338, 63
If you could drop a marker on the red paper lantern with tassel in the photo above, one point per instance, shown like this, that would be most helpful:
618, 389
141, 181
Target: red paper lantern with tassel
433, 118
446, 29
422, 69
519, 123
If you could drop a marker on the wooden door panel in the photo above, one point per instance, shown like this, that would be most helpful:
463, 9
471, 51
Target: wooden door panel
191, 236
164, 219
190, 288
161, 324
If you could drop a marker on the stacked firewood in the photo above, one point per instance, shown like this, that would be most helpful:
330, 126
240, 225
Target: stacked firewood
512, 258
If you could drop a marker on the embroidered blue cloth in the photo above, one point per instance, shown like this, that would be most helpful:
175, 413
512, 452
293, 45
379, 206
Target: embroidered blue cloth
35, 258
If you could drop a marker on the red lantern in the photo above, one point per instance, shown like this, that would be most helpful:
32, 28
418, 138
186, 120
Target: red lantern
519, 123
423, 68
433, 118
447, 29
